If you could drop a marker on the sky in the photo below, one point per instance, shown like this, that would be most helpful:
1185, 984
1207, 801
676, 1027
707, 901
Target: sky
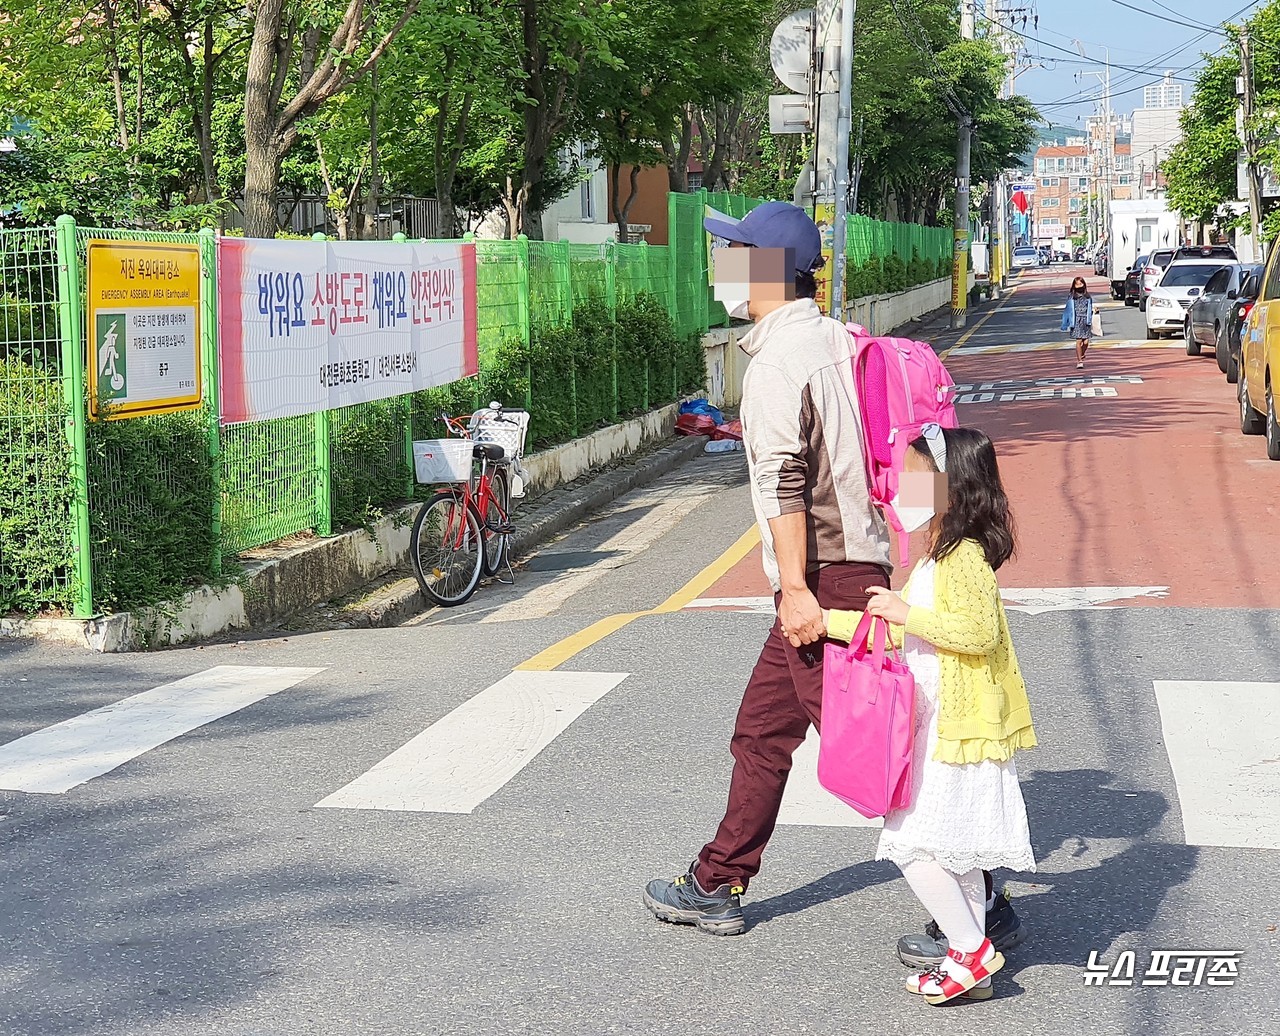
1145, 41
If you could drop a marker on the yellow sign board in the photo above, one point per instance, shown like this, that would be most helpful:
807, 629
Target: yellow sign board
143, 327
825, 216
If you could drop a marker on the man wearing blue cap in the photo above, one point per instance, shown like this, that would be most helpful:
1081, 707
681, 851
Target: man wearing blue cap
824, 543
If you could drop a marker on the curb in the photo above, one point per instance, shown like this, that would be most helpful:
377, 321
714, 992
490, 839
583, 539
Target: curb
397, 602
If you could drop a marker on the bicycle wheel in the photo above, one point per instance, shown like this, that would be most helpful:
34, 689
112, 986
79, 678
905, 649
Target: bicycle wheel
497, 524
447, 549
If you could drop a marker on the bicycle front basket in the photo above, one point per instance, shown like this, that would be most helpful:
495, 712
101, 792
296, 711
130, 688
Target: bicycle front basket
442, 460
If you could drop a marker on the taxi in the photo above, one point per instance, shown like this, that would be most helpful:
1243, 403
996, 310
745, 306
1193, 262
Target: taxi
1260, 362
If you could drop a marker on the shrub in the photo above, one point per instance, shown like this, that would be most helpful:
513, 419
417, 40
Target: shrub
36, 489
151, 502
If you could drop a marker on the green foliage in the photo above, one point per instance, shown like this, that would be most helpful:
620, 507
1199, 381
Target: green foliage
151, 501
1201, 169
35, 487
367, 460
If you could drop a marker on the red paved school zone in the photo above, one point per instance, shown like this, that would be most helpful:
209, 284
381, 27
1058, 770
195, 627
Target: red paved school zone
1154, 486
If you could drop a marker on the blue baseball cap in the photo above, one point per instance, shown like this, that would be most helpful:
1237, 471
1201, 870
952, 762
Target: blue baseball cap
775, 224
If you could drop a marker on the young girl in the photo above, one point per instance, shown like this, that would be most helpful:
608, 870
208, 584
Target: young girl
1077, 317
972, 714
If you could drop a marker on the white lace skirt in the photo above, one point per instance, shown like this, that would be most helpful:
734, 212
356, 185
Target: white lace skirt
962, 816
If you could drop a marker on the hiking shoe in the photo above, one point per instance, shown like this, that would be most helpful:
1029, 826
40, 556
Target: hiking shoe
683, 901
1004, 929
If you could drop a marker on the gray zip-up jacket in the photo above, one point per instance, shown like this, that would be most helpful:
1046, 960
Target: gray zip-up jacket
802, 430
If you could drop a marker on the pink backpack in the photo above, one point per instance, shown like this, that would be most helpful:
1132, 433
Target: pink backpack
901, 386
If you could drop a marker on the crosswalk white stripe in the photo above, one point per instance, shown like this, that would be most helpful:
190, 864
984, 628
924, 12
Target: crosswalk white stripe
805, 801
59, 757
550, 597
460, 761
1223, 741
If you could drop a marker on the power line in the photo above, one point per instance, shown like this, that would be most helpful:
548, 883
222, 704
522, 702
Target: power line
949, 98
1172, 21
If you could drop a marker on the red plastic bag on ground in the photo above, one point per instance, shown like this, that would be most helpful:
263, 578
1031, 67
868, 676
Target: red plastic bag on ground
695, 424
728, 430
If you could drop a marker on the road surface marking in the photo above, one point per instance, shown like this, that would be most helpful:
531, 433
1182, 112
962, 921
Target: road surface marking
1030, 601
1223, 740
60, 757
974, 330
1034, 601
561, 652
806, 802
457, 763
754, 605
1069, 346
549, 597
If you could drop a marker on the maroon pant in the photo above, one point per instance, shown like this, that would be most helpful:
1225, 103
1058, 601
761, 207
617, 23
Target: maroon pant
783, 696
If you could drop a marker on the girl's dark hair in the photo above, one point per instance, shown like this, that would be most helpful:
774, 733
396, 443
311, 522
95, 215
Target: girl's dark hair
806, 286
977, 507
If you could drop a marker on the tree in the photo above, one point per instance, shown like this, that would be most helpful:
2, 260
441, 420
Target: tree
292, 43
1200, 171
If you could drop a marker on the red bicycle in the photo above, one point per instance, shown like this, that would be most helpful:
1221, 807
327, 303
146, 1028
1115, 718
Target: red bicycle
464, 531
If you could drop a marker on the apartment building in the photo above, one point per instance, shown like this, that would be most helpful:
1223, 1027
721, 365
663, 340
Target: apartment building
1067, 177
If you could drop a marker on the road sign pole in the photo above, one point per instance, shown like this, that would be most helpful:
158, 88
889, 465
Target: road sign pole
848, 10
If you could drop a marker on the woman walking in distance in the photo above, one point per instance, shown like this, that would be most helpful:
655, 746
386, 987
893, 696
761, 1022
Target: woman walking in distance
1077, 317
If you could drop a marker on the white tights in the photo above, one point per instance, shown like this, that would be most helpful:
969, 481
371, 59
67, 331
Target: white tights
958, 902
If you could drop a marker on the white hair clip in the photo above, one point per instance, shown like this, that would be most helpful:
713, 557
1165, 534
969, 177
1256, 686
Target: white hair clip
937, 444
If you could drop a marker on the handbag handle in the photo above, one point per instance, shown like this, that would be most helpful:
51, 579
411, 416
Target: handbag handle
880, 644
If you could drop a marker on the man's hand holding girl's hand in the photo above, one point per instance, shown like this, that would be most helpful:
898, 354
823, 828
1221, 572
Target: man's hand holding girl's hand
802, 619
887, 605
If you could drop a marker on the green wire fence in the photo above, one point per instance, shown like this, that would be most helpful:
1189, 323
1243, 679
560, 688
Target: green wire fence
109, 515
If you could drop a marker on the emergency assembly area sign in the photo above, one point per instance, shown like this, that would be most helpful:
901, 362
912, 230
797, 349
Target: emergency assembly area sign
143, 327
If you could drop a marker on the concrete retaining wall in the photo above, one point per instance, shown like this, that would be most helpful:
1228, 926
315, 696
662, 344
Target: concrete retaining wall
727, 364
271, 590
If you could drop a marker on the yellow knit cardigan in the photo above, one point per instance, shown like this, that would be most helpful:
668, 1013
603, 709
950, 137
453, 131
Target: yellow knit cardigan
983, 708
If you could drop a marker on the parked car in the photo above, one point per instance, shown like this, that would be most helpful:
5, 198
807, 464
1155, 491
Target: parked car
1025, 257
1260, 362
1213, 312
1133, 281
1046, 255
1062, 257
1169, 301
1243, 305
1156, 263
1081, 255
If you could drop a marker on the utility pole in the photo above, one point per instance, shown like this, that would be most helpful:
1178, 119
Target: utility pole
844, 120
960, 230
1250, 150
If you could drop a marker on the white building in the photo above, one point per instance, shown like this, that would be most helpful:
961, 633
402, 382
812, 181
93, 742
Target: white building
1155, 133
1165, 94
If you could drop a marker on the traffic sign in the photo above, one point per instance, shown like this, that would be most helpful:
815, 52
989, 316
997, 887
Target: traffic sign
1025, 188
789, 113
791, 51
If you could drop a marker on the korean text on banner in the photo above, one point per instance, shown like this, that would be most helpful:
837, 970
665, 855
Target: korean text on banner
143, 298
824, 214
305, 326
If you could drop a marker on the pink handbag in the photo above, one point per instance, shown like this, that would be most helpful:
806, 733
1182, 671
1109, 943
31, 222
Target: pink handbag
868, 722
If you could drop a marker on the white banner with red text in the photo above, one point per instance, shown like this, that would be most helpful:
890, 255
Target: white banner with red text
305, 326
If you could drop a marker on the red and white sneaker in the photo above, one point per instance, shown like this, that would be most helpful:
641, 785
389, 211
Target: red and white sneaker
961, 972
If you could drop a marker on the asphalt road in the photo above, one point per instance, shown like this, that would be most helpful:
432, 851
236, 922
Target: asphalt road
305, 837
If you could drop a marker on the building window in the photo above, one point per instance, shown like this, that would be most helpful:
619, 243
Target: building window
1075, 204
1050, 203
1049, 181
695, 181
1124, 181
1062, 165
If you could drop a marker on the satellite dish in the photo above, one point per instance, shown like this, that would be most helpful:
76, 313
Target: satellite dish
791, 50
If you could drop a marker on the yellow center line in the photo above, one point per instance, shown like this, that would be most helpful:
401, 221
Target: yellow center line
557, 654
976, 327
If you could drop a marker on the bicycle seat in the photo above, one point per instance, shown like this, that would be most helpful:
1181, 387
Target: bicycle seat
488, 451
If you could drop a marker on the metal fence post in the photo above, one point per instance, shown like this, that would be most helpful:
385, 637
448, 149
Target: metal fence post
565, 278
72, 362
611, 301
410, 481
323, 482
210, 374
523, 315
